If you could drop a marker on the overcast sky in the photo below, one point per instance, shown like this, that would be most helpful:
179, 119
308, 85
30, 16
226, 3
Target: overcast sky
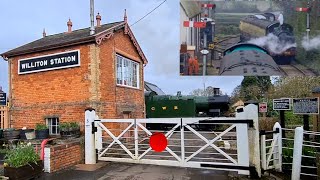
158, 35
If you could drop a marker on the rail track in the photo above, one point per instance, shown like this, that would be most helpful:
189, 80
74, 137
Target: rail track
295, 69
226, 42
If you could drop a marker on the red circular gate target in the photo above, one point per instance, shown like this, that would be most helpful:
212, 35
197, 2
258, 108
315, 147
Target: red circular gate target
158, 142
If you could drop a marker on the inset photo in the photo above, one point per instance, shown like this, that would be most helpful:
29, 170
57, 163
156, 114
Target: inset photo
249, 38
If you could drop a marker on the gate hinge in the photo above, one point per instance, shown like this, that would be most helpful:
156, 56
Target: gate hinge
94, 129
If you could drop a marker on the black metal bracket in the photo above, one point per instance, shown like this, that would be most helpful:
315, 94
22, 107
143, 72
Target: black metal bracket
94, 129
240, 110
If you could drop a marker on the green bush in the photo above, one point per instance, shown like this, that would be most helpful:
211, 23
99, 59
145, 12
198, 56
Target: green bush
40, 126
74, 125
64, 126
21, 156
67, 126
287, 155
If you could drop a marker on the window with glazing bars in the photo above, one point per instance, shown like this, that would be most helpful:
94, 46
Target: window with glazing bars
53, 125
127, 72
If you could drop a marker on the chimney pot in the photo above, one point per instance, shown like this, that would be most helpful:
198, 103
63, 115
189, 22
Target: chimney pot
69, 24
125, 18
44, 34
98, 18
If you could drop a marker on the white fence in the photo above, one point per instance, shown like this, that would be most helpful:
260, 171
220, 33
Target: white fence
192, 142
300, 147
299, 155
271, 149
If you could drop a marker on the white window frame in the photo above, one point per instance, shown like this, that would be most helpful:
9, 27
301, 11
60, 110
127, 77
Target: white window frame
50, 126
128, 74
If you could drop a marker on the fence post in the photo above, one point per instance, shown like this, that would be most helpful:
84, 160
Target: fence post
90, 151
297, 153
278, 147
263, 152
251, 112
242, 146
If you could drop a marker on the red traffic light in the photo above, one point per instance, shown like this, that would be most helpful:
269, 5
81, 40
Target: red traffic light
301, 9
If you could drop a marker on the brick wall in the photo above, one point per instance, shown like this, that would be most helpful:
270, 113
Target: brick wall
66, 93
63, 156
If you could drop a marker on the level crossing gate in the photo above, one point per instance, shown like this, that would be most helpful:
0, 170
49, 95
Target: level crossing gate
219, 143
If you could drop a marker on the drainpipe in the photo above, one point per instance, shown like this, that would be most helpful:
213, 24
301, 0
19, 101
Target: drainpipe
43, 144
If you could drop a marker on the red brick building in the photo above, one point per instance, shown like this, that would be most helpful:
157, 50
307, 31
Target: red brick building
55, 78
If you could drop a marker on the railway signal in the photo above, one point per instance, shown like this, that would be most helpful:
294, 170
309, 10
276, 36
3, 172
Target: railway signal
194, 24
301, 9
307, 10
210, 6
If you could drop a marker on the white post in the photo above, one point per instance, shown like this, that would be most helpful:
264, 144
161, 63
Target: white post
136, 139
278, 147
251, 112
297, 153
243, 147
182, 144
243, 157
263, 152
98, 135
46, 160
90, 151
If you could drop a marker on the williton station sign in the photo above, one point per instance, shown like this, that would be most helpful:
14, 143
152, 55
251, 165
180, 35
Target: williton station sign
49, 62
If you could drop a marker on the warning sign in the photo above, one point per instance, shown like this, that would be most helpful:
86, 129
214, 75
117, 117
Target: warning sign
263, 107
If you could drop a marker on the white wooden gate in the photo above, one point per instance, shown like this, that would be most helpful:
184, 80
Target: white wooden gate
271, 149
219, 143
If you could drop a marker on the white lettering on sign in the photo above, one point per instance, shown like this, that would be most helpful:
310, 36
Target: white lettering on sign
34, 64
62, 60
65, 59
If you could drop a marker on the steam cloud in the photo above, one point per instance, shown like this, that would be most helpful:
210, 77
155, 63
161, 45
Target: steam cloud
312, 44
272, 43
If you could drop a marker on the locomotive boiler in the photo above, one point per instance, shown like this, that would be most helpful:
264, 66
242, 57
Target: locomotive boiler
167, 106
245, 59
263, 25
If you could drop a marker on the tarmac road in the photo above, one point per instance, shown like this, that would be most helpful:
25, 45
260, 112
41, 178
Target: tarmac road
126, 171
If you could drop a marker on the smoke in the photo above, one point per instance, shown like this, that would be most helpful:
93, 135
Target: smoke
312, 44
281, 19
272, 43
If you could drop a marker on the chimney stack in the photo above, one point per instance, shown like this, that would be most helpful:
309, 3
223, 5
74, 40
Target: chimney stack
125, 18
69, 23
98, 18
44, 34
216, 91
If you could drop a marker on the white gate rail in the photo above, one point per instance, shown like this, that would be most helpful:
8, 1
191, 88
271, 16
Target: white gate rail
298, 153
274, 154
127, 140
